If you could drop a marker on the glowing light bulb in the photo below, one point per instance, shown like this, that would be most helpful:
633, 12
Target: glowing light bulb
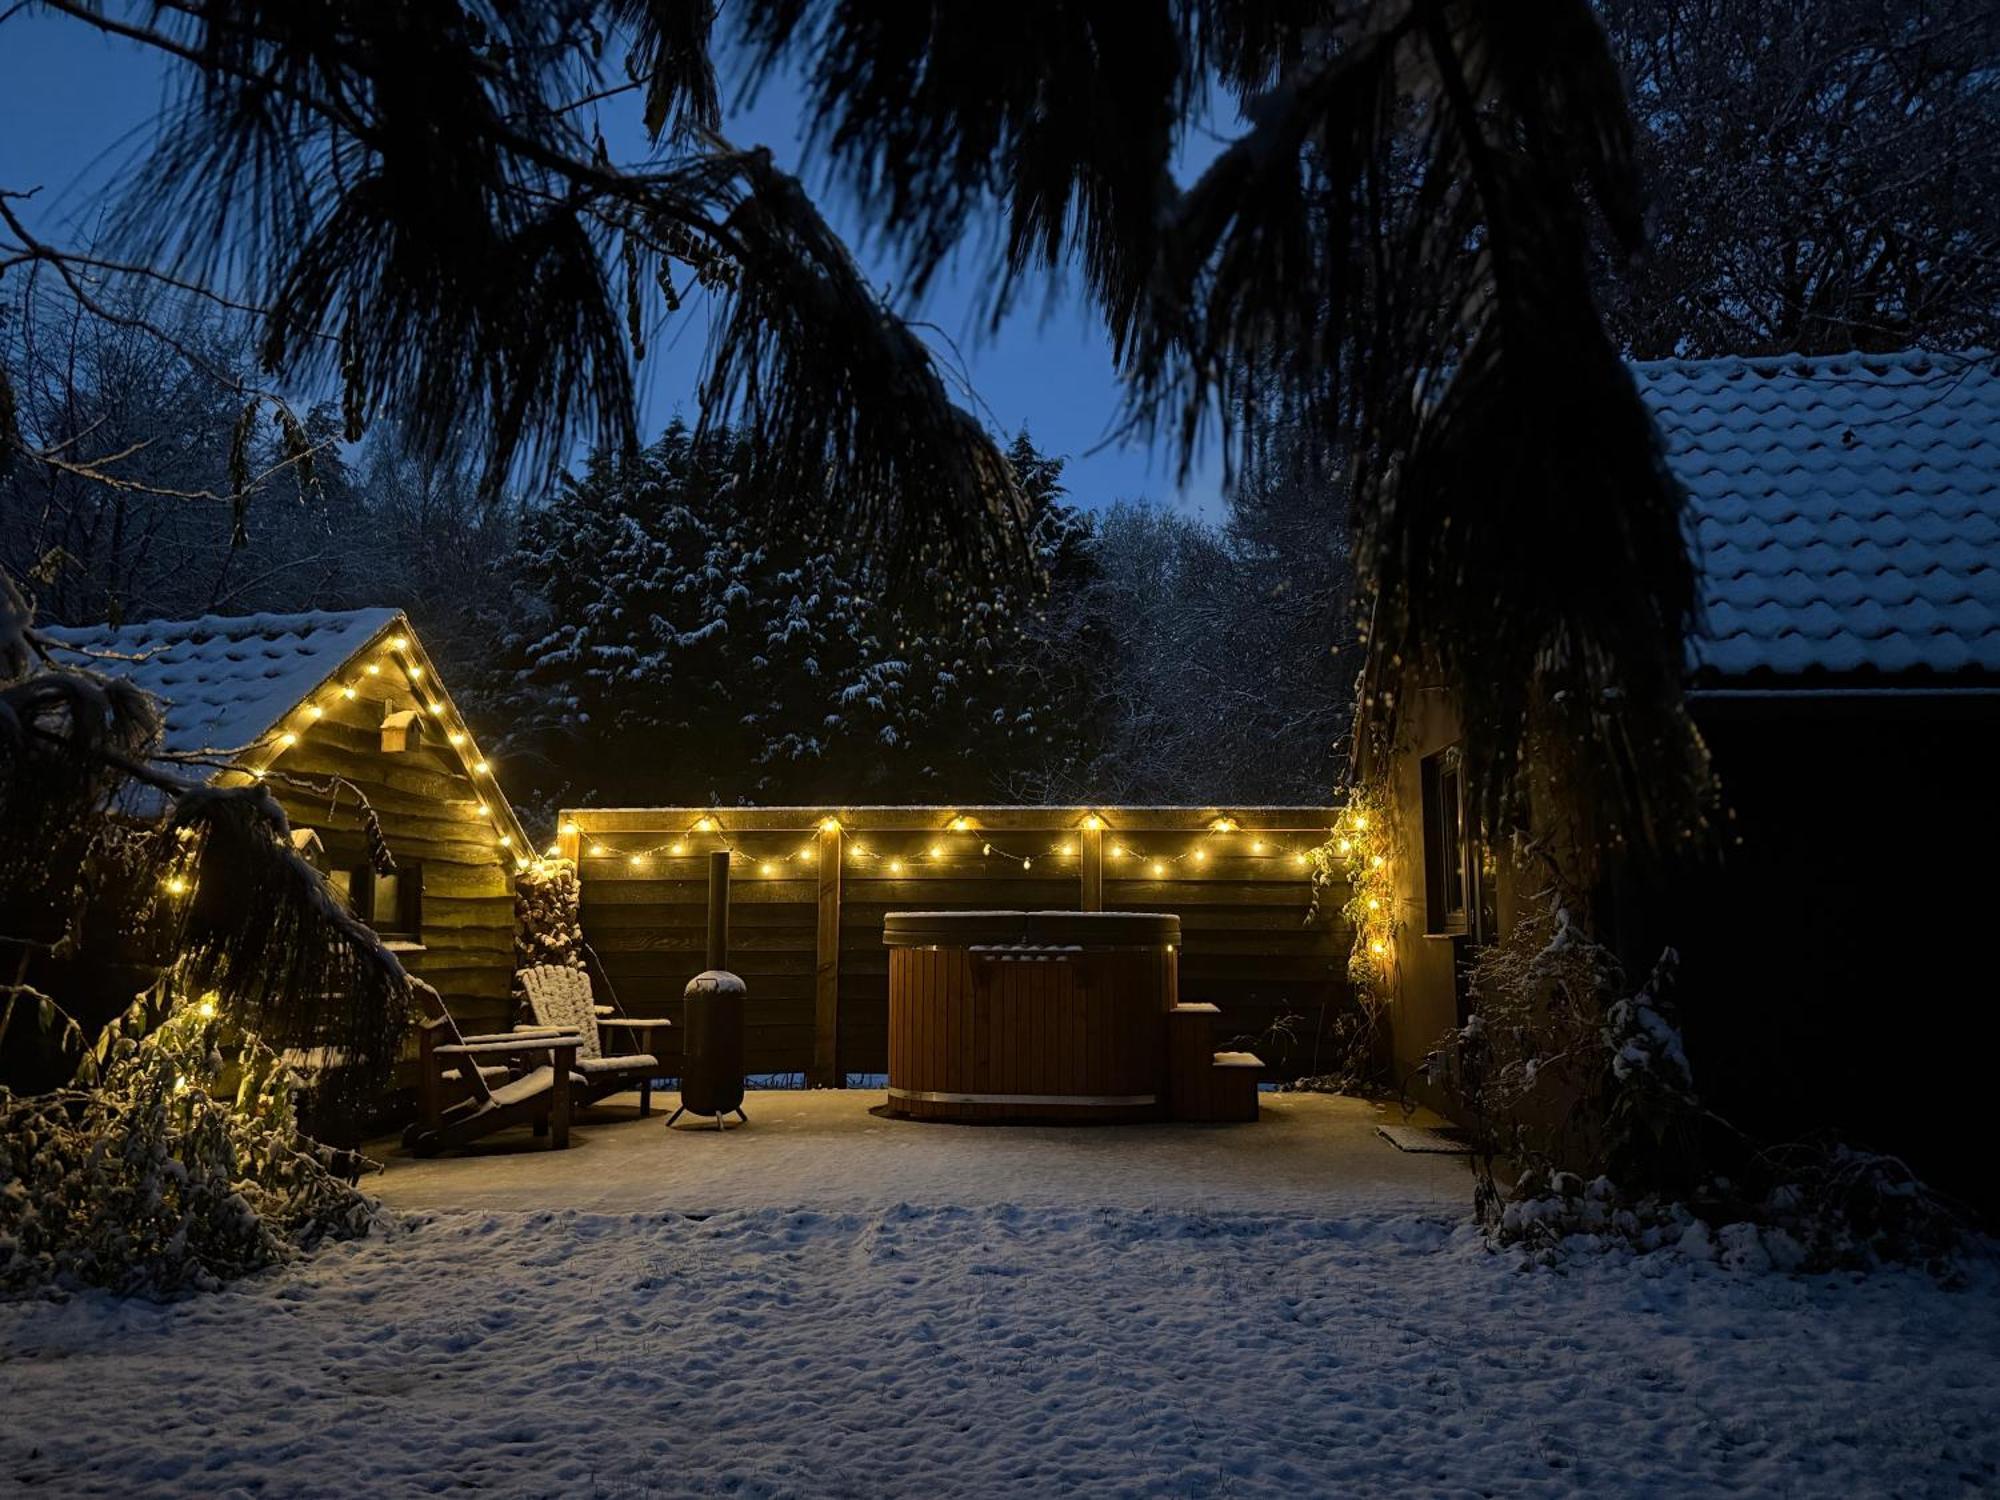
570, 829
1201, 856
1299, 860
1361, 822
638, 861
937, 851
1066, 850
416, 673
1375, 863
1223, 825
805, 853
506, 839
1027, 864
1374, 904
206, 1009
1257, 847
704, 825
398, 642
766, 868
288, 739
552, 852
1378, 947
1159, 867
1091, 820
829, 825
374, 669
457, 736
481, 808
598, 851
1344, 845
348, 691
1117, 851
176, 885
679, 847
895, 867
437, 708
960, 825
480, 768
315, 712
857, 854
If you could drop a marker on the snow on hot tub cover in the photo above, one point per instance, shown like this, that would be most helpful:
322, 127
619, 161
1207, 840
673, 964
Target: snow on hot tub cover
224, 681
1844, 511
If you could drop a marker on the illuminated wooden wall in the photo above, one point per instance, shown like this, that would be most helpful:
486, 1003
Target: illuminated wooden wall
810, 886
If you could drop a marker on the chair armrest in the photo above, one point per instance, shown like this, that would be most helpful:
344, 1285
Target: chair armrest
636, 1023
502, 1046
526, 1031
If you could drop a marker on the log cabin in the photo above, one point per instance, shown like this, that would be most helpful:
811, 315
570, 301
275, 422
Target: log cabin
1844, 668
323, 706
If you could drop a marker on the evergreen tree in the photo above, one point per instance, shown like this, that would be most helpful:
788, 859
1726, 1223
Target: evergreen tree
671, 646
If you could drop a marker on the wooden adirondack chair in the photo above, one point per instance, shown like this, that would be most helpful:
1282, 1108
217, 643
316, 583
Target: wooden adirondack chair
471, 1086
562, 997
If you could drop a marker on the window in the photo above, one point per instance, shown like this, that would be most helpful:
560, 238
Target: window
392, 904
1447, 851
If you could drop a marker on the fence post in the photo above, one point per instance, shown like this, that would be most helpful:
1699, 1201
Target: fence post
827, 1071
1090, 845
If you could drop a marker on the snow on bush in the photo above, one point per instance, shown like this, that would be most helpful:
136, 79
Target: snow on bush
179, 1169
1586, 1092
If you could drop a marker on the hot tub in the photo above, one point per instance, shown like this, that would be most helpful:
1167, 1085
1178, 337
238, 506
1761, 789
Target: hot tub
1015, 1015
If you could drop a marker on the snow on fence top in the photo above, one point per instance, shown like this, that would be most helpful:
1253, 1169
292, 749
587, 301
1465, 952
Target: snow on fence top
1844, 511
225, 681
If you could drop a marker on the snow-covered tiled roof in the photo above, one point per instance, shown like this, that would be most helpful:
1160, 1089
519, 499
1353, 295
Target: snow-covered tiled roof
1845, 512
224, 681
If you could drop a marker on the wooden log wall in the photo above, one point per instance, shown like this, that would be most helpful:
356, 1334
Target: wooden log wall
810, 887
430, 814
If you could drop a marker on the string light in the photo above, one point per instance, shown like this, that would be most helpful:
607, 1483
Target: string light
176, 885
895, 867
1201, 856
1159, 867
398, 642
937, 851
416, 673
206, 1008
288, 739
638, 861
480, 768
829, 825
482, 808
704, 824
598, 851
457, 736
374, 669
315, 713
347, 692
766, 868
679, 847
1223, 825
506, 839
1092, 821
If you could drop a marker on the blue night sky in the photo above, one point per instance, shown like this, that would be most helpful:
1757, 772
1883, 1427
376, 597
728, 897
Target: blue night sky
75, 107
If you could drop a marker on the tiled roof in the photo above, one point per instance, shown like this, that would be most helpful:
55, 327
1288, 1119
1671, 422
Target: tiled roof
1844, 510
224, 681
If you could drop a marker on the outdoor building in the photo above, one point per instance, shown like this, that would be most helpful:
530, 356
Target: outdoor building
1845, 672
341, 713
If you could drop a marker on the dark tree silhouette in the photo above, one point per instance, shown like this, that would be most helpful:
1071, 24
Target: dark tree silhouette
1391, 258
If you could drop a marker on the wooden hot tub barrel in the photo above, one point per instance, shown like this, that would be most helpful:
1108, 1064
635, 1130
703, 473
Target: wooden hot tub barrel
1029, 1015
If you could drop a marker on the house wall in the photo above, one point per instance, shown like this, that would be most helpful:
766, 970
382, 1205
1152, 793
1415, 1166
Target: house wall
1834, 976
1835, 972
428, 809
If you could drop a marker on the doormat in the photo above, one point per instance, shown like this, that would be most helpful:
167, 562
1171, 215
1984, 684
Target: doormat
1447, 1141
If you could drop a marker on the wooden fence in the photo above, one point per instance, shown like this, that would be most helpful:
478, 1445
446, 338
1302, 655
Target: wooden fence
810, 887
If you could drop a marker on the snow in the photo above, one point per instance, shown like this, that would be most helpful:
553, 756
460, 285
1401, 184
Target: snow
1845, 510
1018, 1331
226, 680
995, 1350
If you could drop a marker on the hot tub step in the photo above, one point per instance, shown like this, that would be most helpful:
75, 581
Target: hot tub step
1232, 1085
1190, 1053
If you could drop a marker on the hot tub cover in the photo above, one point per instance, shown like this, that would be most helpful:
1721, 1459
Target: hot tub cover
1052, 929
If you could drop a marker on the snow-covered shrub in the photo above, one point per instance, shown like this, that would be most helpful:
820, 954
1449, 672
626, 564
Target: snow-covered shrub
1564, 1074
178, 1169
548, 915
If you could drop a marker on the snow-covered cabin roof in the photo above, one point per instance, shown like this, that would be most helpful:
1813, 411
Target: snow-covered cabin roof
1844, 512
225, 681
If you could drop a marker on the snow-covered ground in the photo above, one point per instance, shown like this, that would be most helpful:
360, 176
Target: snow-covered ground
996, 1348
